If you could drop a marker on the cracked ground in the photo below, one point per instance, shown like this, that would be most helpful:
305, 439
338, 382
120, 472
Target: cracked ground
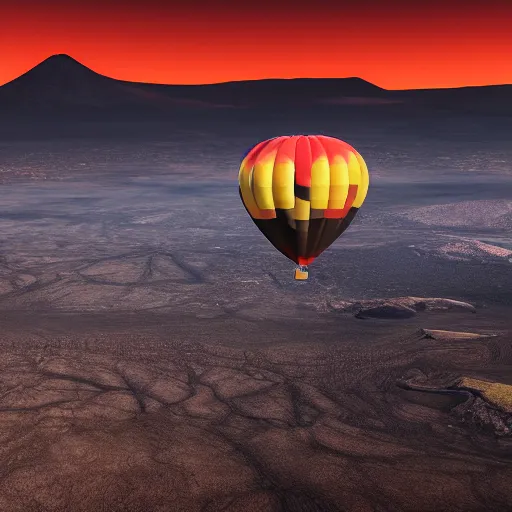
156, 354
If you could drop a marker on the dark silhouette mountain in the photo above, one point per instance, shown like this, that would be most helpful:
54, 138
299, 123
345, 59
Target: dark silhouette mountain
62, 87
60, 84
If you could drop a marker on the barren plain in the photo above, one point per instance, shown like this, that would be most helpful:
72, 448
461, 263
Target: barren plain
156, 354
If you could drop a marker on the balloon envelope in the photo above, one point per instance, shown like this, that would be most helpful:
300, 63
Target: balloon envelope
303, 191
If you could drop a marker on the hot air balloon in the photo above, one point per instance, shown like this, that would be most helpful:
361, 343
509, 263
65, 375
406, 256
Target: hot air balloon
302, 192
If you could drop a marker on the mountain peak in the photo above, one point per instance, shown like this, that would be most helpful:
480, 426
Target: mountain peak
62, 62
59, 68
60, 59
60, 56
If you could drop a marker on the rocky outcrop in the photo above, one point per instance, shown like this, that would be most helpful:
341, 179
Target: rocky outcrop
398, 307
386, 311
486, 405
496, 393
437, 334
476, 411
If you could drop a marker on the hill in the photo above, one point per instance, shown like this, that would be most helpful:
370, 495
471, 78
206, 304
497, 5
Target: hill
61, 87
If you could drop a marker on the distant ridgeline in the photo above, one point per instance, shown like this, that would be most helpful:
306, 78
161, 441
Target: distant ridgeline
61, 87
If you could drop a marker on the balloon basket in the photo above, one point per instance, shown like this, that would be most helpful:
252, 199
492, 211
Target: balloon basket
301, 273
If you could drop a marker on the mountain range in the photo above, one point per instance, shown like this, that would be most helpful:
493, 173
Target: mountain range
61, 87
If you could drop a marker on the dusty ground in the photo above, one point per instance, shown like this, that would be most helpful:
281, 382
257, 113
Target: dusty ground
157, 355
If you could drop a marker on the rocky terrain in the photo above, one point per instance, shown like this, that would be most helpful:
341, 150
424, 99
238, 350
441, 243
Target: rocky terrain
161, 413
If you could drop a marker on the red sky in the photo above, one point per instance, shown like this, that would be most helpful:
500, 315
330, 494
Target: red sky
394, 44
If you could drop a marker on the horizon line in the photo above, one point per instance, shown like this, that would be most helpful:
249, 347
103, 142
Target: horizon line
352, 77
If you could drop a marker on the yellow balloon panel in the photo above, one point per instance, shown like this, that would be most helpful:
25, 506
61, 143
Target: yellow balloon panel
246, 191
339, 181
283, 188
363, 184
262, 183
320, 182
